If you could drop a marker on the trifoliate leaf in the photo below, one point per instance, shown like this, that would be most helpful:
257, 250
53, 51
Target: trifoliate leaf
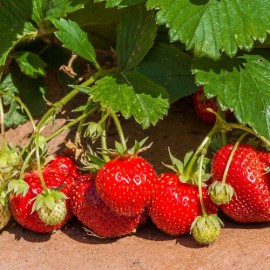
75, 39
126, 94
211, 27
241, 84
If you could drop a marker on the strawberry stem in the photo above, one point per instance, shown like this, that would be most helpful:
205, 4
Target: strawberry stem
58, 105
104, 134
231, 157
205, 143
42, 181
204, 212
25, 164
119, 129
81, 123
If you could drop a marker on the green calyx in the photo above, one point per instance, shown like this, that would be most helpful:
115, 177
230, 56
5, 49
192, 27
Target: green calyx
121, 150
50, 206
206, 229
180, 169
18, 187
221, 193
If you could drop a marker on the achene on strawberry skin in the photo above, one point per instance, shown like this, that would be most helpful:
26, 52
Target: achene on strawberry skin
126, 184
248, 176
59, 171
175, 205
95, 214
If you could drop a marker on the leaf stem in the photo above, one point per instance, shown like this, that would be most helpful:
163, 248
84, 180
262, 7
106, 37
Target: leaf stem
3, 135
249, 130
231, 157
119, 129
71, 123
26, 163
81, 123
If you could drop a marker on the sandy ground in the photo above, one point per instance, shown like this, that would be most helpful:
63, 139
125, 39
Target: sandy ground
241, 246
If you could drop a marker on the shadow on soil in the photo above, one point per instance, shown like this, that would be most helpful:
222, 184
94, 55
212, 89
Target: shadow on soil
30, 236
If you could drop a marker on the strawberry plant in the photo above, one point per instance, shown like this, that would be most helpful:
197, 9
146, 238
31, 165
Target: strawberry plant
133, 59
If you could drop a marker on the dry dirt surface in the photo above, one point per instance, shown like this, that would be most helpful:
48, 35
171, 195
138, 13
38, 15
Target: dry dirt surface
241, 246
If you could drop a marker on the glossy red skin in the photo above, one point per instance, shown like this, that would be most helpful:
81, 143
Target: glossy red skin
175, 205
247, 175
126, 184
61, 170
89, 208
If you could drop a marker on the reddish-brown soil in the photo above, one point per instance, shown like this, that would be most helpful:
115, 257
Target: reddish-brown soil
241, 246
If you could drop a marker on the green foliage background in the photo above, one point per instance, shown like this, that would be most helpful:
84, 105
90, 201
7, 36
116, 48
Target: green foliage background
160, 51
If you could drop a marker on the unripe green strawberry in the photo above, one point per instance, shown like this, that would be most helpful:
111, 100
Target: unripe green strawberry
8, 158
220, 193
206, 230
4, 216
54, 216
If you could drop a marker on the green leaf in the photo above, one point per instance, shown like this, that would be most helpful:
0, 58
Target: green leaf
54, 9
75, 39
14, 115
30, 64
170, 67
95, 14
241, 84
30, 91
136, 34
120, 3
211, 27
15, 26
124, 96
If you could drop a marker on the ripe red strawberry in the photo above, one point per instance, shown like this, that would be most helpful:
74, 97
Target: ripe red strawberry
125, 184
175, 205
60, 171
247, 175
201, 104
95, 214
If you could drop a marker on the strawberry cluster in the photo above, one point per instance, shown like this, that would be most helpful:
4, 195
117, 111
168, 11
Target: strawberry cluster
118, 198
